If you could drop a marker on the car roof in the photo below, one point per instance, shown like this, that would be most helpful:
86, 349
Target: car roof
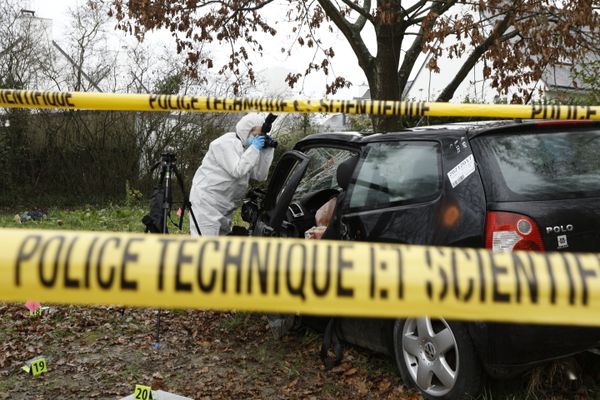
468, 126
450, 130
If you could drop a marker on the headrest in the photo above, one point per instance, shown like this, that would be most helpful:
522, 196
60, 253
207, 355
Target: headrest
344, 172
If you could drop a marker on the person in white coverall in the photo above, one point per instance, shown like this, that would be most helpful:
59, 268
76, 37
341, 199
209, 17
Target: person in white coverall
221, 181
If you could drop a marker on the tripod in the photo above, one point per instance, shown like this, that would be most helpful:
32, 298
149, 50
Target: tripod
160, 206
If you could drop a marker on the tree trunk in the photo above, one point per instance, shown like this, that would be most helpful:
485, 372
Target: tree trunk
384, 82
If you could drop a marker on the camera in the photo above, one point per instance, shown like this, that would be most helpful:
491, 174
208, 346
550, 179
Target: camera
266, 128
251, 206
168, 155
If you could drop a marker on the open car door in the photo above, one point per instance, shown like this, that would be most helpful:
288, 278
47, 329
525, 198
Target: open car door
303, 181
287, 176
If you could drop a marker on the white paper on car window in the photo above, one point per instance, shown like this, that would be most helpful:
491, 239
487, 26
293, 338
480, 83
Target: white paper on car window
461, 171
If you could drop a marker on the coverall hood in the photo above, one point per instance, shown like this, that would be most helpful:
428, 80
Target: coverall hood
245, 125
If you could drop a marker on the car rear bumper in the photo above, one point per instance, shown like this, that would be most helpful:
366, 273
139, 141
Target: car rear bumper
508, 348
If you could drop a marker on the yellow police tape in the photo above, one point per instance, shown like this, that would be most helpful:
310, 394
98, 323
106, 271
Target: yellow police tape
161, 102
304, 276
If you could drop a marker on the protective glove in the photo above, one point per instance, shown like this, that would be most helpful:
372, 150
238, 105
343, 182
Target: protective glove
257, 141
249, 141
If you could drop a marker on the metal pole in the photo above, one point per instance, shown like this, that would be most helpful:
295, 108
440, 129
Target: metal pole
90, 80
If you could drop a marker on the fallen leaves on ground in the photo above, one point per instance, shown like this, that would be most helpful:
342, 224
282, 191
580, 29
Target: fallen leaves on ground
103, 352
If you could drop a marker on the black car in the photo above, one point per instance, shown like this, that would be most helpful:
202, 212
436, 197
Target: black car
501, 185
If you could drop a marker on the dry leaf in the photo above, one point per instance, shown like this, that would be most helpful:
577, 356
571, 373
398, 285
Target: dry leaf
362, 388
384, 385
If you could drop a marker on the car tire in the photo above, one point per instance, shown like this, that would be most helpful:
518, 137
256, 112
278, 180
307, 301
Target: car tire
438, 358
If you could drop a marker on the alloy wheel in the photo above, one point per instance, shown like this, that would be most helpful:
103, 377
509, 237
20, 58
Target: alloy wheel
430, 353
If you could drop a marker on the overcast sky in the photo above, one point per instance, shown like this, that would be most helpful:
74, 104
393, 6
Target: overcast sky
278, 64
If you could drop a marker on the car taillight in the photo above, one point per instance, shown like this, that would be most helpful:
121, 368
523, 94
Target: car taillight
505, 231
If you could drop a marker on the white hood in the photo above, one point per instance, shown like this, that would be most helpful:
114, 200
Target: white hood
245, 125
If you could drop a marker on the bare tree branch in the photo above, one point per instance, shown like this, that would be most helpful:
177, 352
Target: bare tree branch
364, 13
415, 49
365, 59
475, 55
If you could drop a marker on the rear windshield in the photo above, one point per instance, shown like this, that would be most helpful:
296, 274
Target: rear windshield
540, 166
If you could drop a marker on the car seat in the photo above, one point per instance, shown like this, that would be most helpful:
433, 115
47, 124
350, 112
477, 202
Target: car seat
343, 176
332, 335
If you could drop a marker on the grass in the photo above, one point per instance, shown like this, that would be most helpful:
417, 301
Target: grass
114, 218
375, 363
329, 388
110, 218
6, 384
235, 321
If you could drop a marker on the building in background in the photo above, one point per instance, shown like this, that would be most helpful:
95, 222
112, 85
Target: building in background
560, 83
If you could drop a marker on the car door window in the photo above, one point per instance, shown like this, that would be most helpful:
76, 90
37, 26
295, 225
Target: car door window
395, 173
